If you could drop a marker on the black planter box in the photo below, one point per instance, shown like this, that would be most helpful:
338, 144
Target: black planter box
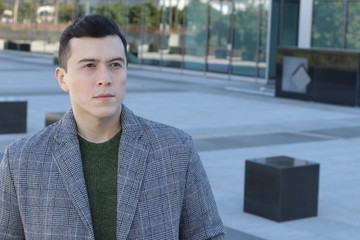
334, 75
13, 117
281, 188
11, 45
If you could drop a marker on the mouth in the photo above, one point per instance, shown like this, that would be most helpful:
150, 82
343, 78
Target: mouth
104, 96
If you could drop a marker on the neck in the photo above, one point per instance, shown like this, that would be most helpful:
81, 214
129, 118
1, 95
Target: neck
98, 131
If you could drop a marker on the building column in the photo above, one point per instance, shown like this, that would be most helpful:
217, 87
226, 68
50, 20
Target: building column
305, 23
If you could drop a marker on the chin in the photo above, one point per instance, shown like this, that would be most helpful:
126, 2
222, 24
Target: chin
108, 113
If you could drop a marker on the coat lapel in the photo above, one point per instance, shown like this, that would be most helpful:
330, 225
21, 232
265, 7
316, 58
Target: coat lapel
133, 153
67, 157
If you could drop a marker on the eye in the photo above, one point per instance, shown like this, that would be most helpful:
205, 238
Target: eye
89, 65
116, 65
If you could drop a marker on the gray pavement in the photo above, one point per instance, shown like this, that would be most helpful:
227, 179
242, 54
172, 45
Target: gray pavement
230, 122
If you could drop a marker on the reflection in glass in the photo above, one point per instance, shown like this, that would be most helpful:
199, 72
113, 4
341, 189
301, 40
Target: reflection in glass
150, 33
131, 27
328, 24
284, 29
225, 36
289, 23
171, 33
353, 27
283, 162
219, 45
250, 32
195, 22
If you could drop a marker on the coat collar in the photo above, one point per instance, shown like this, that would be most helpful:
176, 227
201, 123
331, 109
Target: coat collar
133, 153
130, 125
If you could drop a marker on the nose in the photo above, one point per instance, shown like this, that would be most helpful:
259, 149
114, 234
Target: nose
104, 78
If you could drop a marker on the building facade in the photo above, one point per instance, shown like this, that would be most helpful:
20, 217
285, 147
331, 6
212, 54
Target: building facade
234, 38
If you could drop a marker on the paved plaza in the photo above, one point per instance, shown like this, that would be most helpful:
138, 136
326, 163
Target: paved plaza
230, 121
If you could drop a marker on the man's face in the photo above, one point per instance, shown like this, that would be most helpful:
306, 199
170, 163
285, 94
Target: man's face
96, 76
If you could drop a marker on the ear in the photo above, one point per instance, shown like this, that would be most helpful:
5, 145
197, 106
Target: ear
60, 75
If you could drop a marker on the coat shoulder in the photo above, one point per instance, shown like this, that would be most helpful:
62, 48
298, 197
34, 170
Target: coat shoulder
36, 142
160, 132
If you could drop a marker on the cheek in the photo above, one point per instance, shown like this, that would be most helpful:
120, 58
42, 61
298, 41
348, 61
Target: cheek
124, 79
123, 83
121, 88
73, 88
78, 90
120, 80
81, 83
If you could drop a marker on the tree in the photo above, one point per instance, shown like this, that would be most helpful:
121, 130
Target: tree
196, 25
27, 11
152, 14
328, 27
103, 9
116, 11
353, 29
135, 14
112, 10
65, 13
4, 6
173, 17
196, 14
247, 32
69, 12
16, 10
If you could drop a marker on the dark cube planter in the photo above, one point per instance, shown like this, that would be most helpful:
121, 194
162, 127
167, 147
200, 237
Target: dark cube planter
13, 117
281, 188
21, 46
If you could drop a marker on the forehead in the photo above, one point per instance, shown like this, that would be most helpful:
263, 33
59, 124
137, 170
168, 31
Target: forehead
96, 47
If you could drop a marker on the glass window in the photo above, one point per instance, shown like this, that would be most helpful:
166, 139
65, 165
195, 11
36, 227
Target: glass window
289, 23
250, 34
36, 25
353, 25
151, 34
219, 45
284, 29
172, 46
328, 24
195, 34
142, 30
226, 36
131, 28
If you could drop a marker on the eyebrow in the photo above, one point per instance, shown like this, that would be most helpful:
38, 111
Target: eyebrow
117, 59
95, 60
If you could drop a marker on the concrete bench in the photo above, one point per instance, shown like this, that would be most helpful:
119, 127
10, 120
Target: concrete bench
281, 188
13, 117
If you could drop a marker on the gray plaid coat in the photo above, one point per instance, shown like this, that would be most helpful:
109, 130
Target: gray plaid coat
163, 191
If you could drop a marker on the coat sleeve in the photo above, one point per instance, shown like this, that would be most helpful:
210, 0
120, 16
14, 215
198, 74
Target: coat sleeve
199, 217
10, 220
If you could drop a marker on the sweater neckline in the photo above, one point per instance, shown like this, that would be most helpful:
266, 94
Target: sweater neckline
111, 141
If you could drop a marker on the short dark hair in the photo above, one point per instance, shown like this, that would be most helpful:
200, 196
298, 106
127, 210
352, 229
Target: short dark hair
97, 26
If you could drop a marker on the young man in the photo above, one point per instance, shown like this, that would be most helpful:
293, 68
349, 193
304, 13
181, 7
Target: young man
101, 172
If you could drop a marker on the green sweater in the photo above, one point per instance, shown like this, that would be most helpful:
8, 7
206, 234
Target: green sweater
100, 161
